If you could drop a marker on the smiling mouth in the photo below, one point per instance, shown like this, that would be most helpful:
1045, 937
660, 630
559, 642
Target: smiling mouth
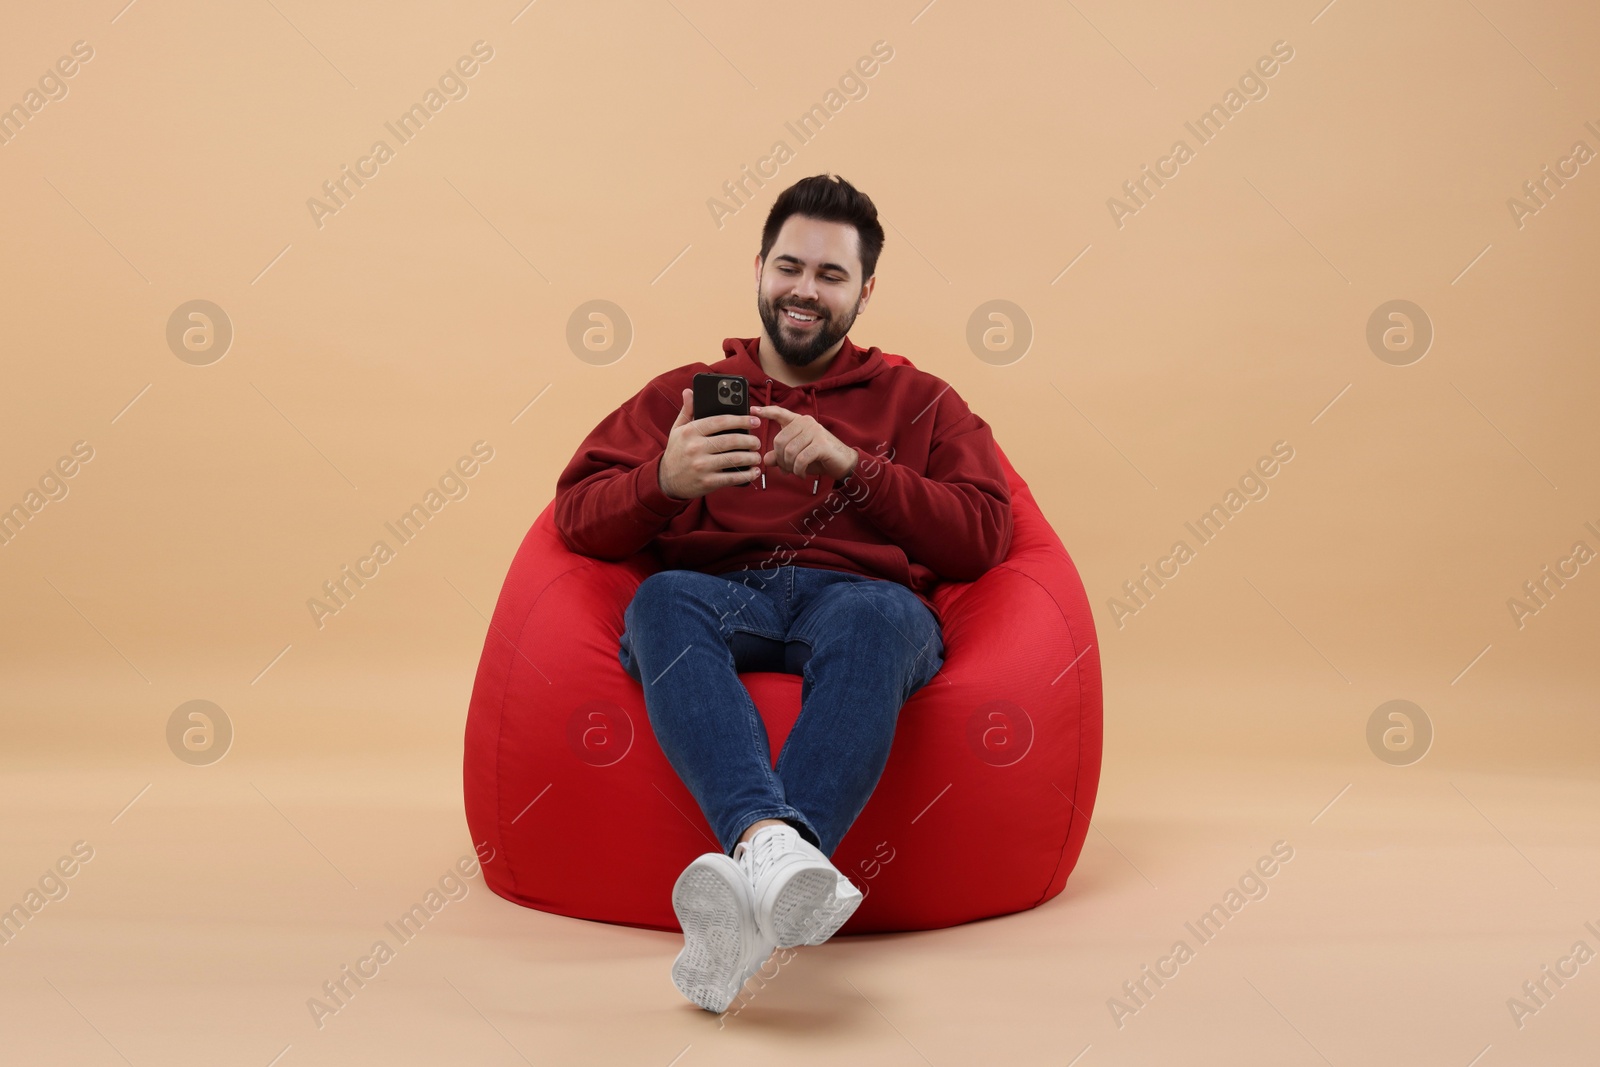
790, 316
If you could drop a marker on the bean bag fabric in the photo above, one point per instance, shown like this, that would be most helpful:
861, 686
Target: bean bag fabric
982, 808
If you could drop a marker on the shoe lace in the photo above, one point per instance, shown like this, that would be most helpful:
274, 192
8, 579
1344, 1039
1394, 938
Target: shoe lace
757, 854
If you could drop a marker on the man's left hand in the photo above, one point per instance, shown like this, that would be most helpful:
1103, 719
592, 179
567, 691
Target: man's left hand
804, 447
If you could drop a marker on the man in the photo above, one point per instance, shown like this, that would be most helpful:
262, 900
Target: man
786, 545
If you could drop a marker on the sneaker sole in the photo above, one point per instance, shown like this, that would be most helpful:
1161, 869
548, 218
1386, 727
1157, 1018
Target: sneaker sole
798, 903
710, 968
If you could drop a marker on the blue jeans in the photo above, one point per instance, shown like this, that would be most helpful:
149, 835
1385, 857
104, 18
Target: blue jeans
862, 645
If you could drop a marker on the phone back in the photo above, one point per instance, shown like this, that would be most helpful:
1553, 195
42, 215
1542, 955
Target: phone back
722, 394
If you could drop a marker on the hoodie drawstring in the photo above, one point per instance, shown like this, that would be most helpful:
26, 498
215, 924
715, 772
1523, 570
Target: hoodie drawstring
816, 413
763, 436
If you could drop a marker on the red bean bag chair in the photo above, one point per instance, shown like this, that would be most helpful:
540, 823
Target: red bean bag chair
981, 810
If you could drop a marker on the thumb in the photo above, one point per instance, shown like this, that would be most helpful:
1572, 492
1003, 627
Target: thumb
685, 413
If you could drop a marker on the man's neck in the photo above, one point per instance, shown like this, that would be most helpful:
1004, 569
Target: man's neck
784, 372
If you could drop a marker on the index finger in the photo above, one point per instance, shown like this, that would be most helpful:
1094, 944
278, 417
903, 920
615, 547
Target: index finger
780, 415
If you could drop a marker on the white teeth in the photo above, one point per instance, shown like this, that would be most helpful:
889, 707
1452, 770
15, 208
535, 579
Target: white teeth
798, 316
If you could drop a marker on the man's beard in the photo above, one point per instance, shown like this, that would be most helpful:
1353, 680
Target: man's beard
804, 350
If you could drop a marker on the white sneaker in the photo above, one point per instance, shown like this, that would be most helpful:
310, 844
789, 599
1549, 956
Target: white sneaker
723, 945
840, 906
832, 915
795, 888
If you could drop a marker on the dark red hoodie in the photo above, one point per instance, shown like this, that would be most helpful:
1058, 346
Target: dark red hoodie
927, 500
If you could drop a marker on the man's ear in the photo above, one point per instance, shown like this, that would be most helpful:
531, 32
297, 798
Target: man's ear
758, 272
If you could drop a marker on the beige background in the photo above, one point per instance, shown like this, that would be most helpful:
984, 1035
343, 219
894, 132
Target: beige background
1229, 313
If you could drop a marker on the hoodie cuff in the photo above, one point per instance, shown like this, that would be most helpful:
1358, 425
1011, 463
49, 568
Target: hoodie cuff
647, 488
869, 470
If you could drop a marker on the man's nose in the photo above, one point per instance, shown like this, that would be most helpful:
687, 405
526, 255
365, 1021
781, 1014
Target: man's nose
806, 287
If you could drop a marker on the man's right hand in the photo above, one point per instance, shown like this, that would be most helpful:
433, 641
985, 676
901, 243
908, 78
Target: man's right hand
693, 464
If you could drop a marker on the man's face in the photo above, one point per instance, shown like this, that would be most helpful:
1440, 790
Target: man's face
814, 267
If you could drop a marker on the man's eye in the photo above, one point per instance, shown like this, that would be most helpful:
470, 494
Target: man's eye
827, 278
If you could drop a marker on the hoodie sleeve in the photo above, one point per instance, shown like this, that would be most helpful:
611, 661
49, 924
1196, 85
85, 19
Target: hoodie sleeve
956, 519
609, 502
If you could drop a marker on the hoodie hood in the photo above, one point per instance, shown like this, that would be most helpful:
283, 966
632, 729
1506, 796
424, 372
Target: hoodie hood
850, 366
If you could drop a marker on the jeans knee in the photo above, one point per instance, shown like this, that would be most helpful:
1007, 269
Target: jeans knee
885, 600
661, 589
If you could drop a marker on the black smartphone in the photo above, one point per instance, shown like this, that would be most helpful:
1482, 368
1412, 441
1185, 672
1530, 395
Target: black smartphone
722, 394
